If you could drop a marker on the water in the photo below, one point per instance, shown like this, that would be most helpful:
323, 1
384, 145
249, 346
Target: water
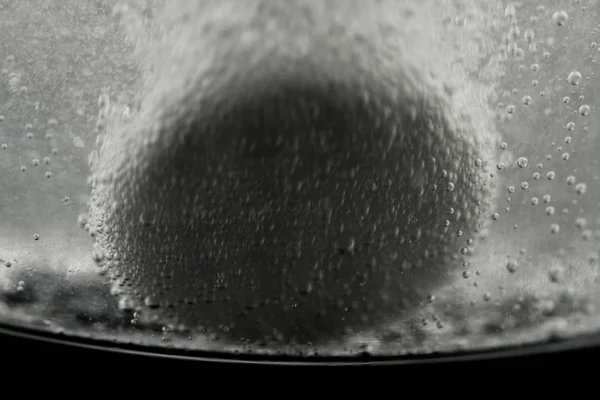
278, 192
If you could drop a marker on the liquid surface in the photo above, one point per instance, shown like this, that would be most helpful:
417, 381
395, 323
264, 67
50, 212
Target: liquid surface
313, 185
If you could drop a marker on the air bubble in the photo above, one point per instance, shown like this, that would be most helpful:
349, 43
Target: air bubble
519, 53
556, 274
584, 110
125, 304
529, 35
512, 266
574, 77
547, 198
151, 302
581, 188
98, 256
510, 11
571, 180
580, 222
82, 219
560, 17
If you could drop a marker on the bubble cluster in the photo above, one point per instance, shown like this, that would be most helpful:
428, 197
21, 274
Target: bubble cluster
269, 211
